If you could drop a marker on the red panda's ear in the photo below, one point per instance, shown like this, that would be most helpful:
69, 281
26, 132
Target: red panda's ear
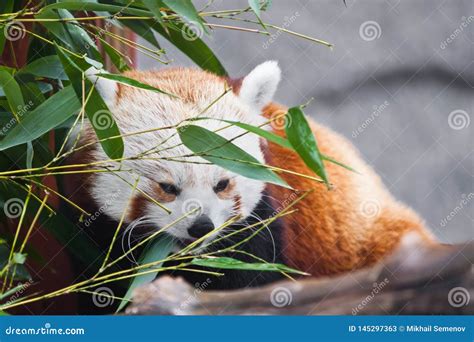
106, 88
259, 86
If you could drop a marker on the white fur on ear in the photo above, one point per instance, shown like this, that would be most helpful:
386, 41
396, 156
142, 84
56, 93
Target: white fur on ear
259, 86
106, 88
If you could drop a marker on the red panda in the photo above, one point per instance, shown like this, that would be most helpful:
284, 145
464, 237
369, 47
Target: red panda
351, 226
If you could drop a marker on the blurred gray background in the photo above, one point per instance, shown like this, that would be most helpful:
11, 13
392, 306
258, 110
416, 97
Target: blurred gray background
398, 83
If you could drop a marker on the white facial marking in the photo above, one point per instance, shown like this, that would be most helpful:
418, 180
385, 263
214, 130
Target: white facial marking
196, 180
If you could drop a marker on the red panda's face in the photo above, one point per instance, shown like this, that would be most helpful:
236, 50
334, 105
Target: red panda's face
183, 194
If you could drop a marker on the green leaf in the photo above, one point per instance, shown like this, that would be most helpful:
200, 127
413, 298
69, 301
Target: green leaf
51, 113
19, 258
6, 6
225, 154
270, 136
30, 153
267, 135
115, 57
31, 93
97, 111
301, 137
155, 7
69, 32
13, 290
93, 6
12, 92
234, 264
265, 4
256, 6
48, 67
133, 83
194, 48
157, 249
186, 9
21, 271
143, 30
332, 160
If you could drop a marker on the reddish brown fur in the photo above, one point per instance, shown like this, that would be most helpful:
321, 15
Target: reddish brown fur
328, 234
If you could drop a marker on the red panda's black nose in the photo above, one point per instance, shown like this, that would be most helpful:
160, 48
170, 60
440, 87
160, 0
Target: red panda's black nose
201, 227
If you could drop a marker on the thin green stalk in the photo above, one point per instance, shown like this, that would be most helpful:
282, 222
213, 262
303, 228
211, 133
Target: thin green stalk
122, 218
17, 232
152, 236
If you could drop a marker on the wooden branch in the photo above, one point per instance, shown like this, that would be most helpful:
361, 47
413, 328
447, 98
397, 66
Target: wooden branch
422, 280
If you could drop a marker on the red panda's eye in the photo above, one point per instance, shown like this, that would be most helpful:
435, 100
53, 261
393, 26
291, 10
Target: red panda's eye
222, 185
169, 188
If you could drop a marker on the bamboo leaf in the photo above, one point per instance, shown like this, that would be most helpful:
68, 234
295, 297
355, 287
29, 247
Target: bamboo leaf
186, 9
71, 34
133, 83
48, 66
21, 271
30, 153
51, 113
234, 264
12, 291
94, 6
270, 136
143, 30
6, 6
301, 137
157, 249
267, 135
115, 57
225, 154
97, 111
19, 258
256, 6
193, 47
12, 92
155, 7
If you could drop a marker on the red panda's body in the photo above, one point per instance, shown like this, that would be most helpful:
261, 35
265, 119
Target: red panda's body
353, 225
